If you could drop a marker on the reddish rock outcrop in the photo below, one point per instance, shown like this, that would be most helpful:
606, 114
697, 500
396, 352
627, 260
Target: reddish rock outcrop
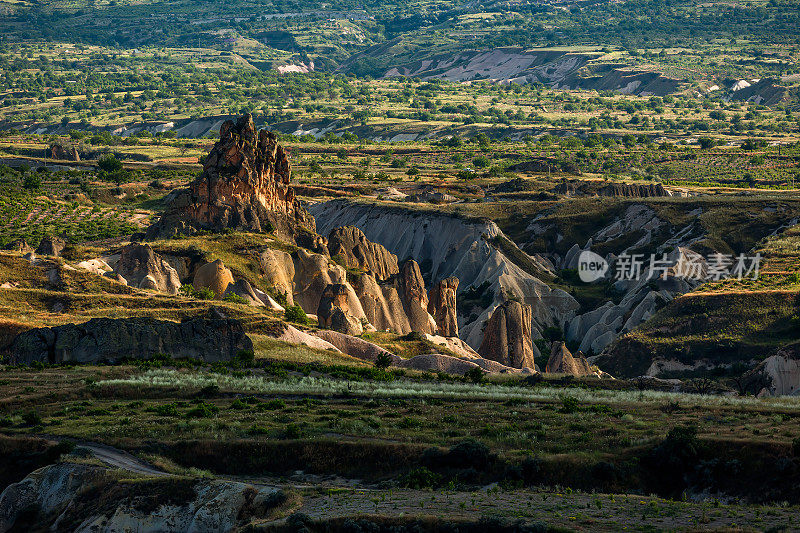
563, 362
141, 267
352, 247
442, 306
411, 288
507, 337
334, 311
244, 186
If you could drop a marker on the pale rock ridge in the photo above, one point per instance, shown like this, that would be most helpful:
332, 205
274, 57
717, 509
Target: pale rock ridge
452, 247
141, 267
54, 492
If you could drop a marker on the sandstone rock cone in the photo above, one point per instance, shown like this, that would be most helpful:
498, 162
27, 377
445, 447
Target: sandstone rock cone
442, 306
563, 362
214, 276
141, 267
51, 246
334, 311
356, 251
507, 337
244, 186
412, 291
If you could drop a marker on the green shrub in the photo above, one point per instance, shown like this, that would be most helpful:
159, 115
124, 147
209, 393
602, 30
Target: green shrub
293, 431
420, 478
383, 361
32, 418
295, 313
203, 410
474, 374
235, 298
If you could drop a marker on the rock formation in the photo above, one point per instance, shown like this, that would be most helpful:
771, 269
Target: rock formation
563, 362
51, 245
243, 289
244, 186
56, 495
214, 276
507, 337
64, 153
412, 291
356, 251
334, 311
111, 340
141, 267
442, 306
20, 246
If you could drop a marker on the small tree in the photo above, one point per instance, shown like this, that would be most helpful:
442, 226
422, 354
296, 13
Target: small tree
109, 163
32, 182
383, 361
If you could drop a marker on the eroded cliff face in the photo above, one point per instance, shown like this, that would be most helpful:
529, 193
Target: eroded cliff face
55, 498
350, 245
244, 186
446, 246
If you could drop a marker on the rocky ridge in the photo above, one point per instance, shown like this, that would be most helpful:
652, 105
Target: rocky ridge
244, 186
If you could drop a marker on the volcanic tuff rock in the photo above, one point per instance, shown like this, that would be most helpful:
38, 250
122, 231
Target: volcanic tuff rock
356, 251
142, 267
56, 498
507, 337
105, 339
214, 276
442, 306
334, 311
243, 289
51, 245
412, 291
244, 186
563, 362
448, 246
64, 153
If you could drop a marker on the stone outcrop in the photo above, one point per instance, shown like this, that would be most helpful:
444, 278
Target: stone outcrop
334, 311
209, 339
778, 374
51, 245
442, 306
563, 362
244, 186
356, 251
64, 153
243, 289
215, 276
411, 288
141, 267
633, 190
507, 337
448, 246
75, 497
